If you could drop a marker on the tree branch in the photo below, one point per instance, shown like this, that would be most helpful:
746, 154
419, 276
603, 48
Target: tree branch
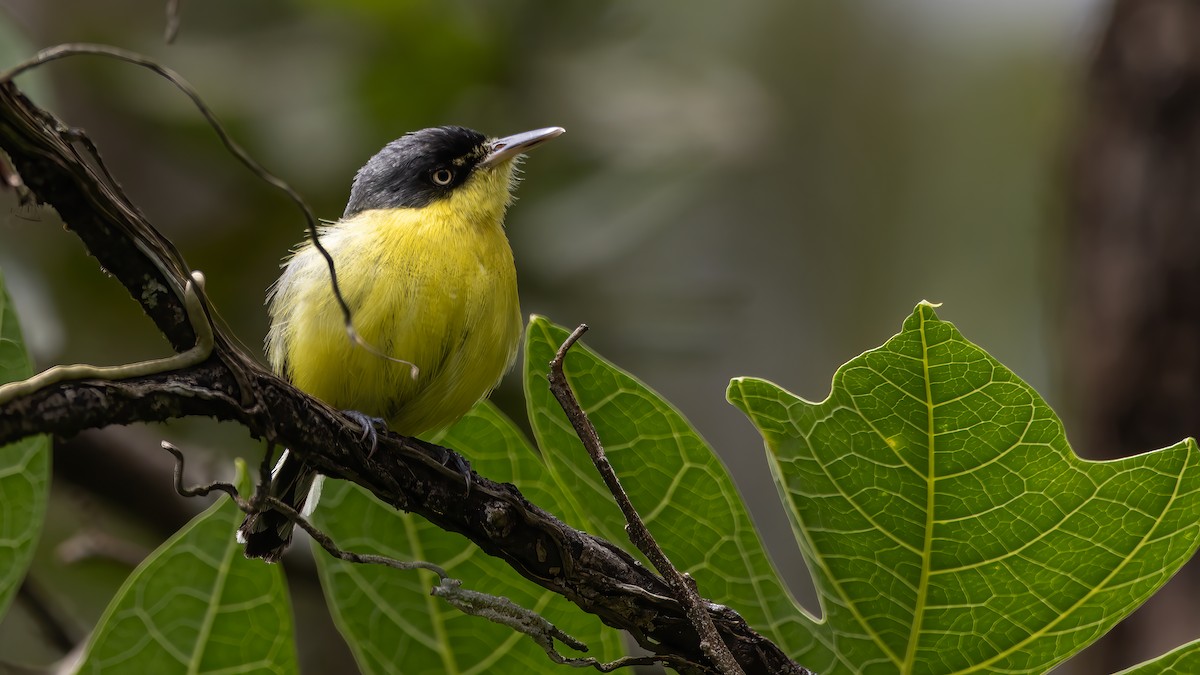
59, 165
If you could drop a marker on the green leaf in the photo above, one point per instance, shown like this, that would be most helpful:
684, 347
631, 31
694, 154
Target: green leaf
1184, 660
196, 605
676, 482
389, 618
24, 469
949, 526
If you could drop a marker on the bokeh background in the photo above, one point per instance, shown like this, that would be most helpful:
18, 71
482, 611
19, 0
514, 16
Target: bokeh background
762, 188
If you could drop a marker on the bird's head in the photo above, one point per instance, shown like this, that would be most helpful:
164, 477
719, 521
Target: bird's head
455, 167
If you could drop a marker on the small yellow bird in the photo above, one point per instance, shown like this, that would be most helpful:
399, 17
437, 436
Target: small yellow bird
424, 265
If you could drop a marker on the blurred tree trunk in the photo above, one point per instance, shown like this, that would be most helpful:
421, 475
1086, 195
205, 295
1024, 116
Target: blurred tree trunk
1132, 348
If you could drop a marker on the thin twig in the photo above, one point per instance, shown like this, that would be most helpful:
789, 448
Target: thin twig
72, 49
300, 521
82, 371
10, 181
683, 585
350, 556
199, 490
172, 21
508, 613
9, 178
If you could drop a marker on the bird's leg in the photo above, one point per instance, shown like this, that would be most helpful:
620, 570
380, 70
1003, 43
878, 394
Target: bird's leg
371, 427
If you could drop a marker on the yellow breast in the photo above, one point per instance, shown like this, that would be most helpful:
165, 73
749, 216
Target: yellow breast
435, 287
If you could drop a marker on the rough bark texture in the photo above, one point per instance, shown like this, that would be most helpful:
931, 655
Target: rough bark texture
1133, 258
62, 170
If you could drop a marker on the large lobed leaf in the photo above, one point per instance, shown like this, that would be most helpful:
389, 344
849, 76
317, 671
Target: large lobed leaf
196, 605
950, 527
388, 617
24, 469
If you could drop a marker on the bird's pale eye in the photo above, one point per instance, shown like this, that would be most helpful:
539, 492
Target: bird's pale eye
442, 177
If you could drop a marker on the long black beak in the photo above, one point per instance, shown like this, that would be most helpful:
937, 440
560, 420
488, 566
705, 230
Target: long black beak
504, 149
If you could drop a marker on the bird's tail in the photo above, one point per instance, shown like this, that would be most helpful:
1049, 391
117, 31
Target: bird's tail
267, 533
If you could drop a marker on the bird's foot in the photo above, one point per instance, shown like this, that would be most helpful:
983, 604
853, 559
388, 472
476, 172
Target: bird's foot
457, 463
371, 428
460, 464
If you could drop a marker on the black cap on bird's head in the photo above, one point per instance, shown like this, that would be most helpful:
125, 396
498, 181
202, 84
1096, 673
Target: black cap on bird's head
423, 166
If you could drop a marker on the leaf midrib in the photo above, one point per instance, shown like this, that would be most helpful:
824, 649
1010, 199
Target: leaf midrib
910, 657
214, 608
437, 615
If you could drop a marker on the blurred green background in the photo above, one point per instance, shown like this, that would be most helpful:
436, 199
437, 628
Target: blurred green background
764, 189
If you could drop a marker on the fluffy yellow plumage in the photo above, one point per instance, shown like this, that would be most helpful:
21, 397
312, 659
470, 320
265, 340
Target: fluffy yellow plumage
426, 270
434, 286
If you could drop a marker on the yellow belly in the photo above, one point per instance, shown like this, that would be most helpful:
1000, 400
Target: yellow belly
425, 287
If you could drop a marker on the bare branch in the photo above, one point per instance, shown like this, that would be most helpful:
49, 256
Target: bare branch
683, 586
199, 490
